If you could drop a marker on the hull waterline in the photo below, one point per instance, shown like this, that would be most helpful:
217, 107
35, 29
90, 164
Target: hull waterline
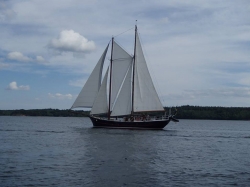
104, 123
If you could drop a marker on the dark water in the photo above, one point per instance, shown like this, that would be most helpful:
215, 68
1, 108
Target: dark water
47, 151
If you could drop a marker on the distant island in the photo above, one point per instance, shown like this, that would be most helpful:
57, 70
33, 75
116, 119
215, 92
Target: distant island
183, 112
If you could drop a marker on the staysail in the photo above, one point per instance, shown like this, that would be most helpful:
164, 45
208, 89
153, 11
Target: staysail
88, 93
122, 105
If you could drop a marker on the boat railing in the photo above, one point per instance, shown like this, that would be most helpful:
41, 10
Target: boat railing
137, 118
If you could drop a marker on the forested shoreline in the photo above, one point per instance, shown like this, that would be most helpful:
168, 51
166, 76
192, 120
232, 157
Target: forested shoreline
45, 112
215, 113
183, 112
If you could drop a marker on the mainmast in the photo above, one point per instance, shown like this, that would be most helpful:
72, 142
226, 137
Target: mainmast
110, 77
133, 78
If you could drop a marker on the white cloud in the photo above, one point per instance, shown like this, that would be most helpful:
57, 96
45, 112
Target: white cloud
60, 96
40, 59
71, 41
13, 86
18, 57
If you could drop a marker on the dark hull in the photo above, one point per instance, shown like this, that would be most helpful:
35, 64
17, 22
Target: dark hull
104, 123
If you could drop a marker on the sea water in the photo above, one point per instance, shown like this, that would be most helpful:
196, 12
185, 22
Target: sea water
67, 151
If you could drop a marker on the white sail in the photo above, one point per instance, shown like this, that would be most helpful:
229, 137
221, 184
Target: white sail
145, 95
121, 62
122, 104
100, 104
89, 91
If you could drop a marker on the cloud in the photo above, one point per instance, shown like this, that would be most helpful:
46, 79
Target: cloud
71, 41
60, 96
245, 81
18, 57
235, 92
6, 13
40, 59
3, 65
78, 83
13, 86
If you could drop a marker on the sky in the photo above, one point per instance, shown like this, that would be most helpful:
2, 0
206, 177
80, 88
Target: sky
198, 51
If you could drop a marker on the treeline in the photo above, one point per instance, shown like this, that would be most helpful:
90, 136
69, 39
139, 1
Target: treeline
183, 112
45, 112
216, 113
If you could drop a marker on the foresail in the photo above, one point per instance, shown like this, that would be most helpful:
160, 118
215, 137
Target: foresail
145, 95
89, 91
121, 62
100, 105
122, 105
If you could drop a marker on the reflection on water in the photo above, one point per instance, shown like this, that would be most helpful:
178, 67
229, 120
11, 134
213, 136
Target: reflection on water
69, 152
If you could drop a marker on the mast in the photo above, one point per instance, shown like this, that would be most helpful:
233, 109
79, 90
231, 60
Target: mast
133, 79
110, 77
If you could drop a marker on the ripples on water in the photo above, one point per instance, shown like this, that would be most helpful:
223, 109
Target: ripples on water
47, 151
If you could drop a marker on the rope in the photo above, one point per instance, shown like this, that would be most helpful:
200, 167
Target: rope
123, 32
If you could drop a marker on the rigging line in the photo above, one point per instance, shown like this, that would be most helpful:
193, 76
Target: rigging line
123, 32
122, 58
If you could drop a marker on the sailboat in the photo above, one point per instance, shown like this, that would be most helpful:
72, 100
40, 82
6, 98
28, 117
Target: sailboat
126, 97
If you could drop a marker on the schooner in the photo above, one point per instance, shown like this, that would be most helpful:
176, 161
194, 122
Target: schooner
126, 95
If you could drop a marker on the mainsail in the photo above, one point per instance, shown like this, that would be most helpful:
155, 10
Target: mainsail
145, 95
88, 93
